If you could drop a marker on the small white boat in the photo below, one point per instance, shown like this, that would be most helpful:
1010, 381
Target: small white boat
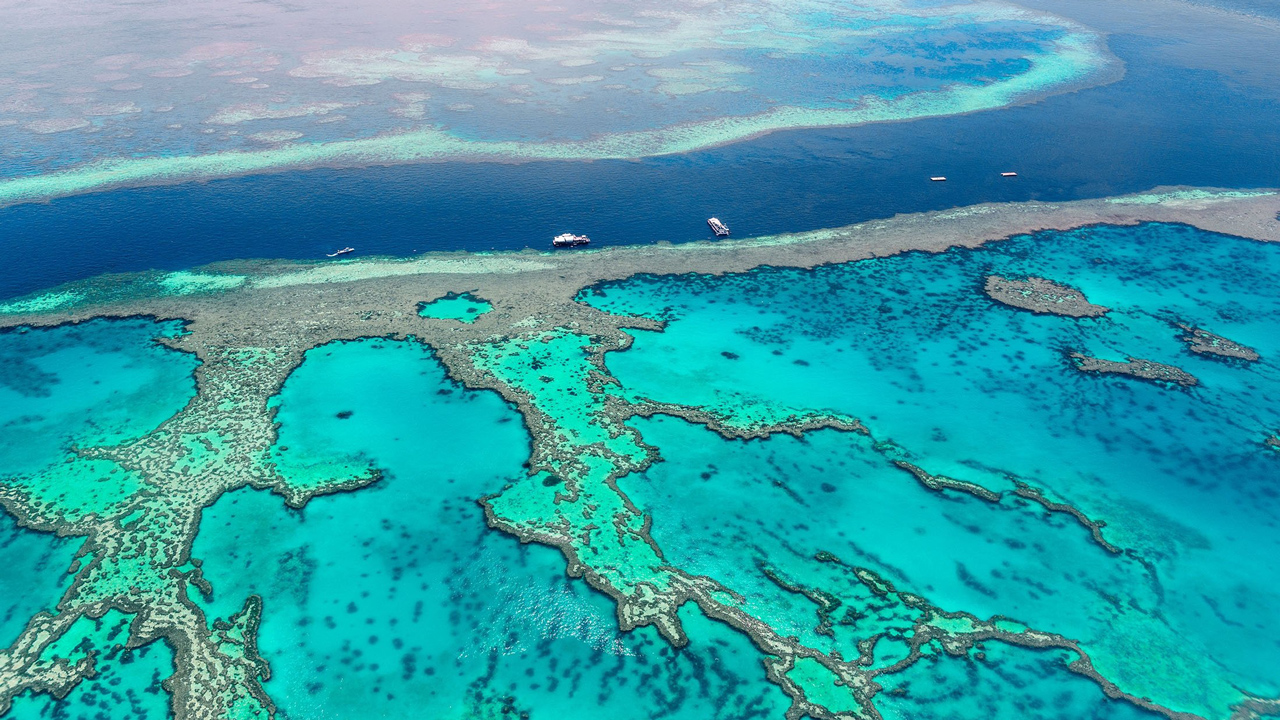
343, 251
717, 227
938, 178
1009, 174
569, 240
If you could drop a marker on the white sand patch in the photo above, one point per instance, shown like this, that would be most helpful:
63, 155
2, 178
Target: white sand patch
422, 42
219, 50
248, 112
275, 136
116, 62
109, 109
574, 80
411, 97
56, 125
369, 66
409, 112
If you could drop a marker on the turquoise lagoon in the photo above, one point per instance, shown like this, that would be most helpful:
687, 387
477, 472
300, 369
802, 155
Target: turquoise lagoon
963, 386
127, 684
99, 382
104, 381
396, 599
34, 578
463, 307
96, 383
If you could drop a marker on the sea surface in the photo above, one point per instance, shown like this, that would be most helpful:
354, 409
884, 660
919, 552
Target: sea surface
380, 600
103, 381
965, 387
1211, 119
396, 597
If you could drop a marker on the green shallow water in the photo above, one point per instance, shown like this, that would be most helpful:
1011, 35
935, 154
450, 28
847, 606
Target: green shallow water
103, 381
735, 510
34, 577
127, 685
1007, 683
99, 382
463, 307
976, 390
396, 600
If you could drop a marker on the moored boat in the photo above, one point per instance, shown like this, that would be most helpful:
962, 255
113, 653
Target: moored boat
343, 251
569, 240
717, 227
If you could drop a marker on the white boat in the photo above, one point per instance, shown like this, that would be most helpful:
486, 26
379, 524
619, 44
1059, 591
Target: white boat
717, 227
1008, 174
938, 178
569, 240
343, 251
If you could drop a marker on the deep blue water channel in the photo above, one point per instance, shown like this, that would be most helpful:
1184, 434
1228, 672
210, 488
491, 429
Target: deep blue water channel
1160, 125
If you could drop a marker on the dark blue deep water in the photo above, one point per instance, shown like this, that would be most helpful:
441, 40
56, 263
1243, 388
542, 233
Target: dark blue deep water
1160, 125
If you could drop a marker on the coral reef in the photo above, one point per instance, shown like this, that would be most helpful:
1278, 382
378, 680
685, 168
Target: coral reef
1149, 370
1203, 342
1042, 296
543, 351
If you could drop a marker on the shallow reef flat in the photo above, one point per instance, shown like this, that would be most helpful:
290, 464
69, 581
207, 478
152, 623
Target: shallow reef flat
820, 475
1041, 296
574, 81
1137, 368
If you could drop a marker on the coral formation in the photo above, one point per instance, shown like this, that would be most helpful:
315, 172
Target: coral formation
540, 348
1042, 296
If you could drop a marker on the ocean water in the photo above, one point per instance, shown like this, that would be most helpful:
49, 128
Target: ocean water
98, 382
965, 387
463, 308
1147, 129
1007, 683
127, 683
396, 600
101, 382
34, 578
242, 76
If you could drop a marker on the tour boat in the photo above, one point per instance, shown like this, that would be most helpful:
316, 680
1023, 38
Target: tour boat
343, 251
569, 240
